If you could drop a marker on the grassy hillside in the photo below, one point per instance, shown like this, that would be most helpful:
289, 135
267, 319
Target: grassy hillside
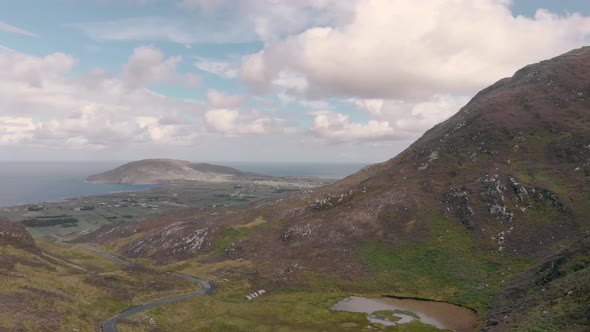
65, 288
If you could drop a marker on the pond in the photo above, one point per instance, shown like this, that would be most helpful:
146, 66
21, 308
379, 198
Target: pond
392, 311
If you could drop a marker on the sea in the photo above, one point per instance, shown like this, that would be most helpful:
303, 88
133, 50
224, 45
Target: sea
37, 182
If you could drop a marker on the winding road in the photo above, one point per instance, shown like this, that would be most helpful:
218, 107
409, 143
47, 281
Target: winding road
111, 324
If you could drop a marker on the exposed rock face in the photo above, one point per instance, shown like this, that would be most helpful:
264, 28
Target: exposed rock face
157, 171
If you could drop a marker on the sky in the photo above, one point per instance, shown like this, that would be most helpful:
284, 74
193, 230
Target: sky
257, 80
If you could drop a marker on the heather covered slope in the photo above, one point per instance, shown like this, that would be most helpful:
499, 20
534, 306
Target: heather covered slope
458, 216
554, 295
58, 287
15, 235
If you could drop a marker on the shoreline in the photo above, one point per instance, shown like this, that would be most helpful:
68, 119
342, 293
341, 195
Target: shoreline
69, 198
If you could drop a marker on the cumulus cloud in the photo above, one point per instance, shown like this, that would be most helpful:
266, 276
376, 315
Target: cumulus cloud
220, 68
338, 128
232, 123
31, 70
43, 104
147, 66
391, 119
11, 28
399, 49
226, 115
15, 129
415, 117
217, 99
406, 65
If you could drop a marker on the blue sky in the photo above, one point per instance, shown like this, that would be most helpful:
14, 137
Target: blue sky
257, 80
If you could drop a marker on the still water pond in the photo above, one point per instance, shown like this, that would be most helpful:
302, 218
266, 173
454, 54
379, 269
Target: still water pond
391, 311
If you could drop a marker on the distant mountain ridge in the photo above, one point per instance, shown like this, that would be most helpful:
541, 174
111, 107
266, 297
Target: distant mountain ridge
159, 171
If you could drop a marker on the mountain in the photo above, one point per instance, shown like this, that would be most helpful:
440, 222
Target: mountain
479, 205
157, 171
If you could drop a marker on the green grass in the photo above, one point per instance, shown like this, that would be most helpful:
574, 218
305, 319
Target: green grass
73, 288
271, 312
446, 267
294, 311
388, 315
233, 234
300, 308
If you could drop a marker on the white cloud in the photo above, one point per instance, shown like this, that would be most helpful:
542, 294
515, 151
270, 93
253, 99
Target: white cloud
11, 28
222, 120
416, 49
414, 118
232, 123
34, 70
44, 105
390, 119
220, 68
15, 129
147, 66
373, 106
226, 116
406, 65
217, 99
337, 128
292, 82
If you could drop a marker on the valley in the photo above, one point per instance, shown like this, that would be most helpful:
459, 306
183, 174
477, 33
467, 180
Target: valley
487, 211
80, 215
60, 287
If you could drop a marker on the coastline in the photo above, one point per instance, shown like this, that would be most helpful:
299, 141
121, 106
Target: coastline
140, 188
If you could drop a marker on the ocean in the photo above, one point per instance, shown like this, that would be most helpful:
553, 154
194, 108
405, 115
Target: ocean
36, 182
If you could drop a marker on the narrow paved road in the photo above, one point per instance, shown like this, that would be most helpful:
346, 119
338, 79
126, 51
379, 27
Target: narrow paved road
111, 324
106, 255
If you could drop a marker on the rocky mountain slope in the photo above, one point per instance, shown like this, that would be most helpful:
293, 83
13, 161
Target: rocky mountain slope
157, 171
463, 214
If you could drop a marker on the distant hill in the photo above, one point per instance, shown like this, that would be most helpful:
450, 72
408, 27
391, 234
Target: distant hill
158, 171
